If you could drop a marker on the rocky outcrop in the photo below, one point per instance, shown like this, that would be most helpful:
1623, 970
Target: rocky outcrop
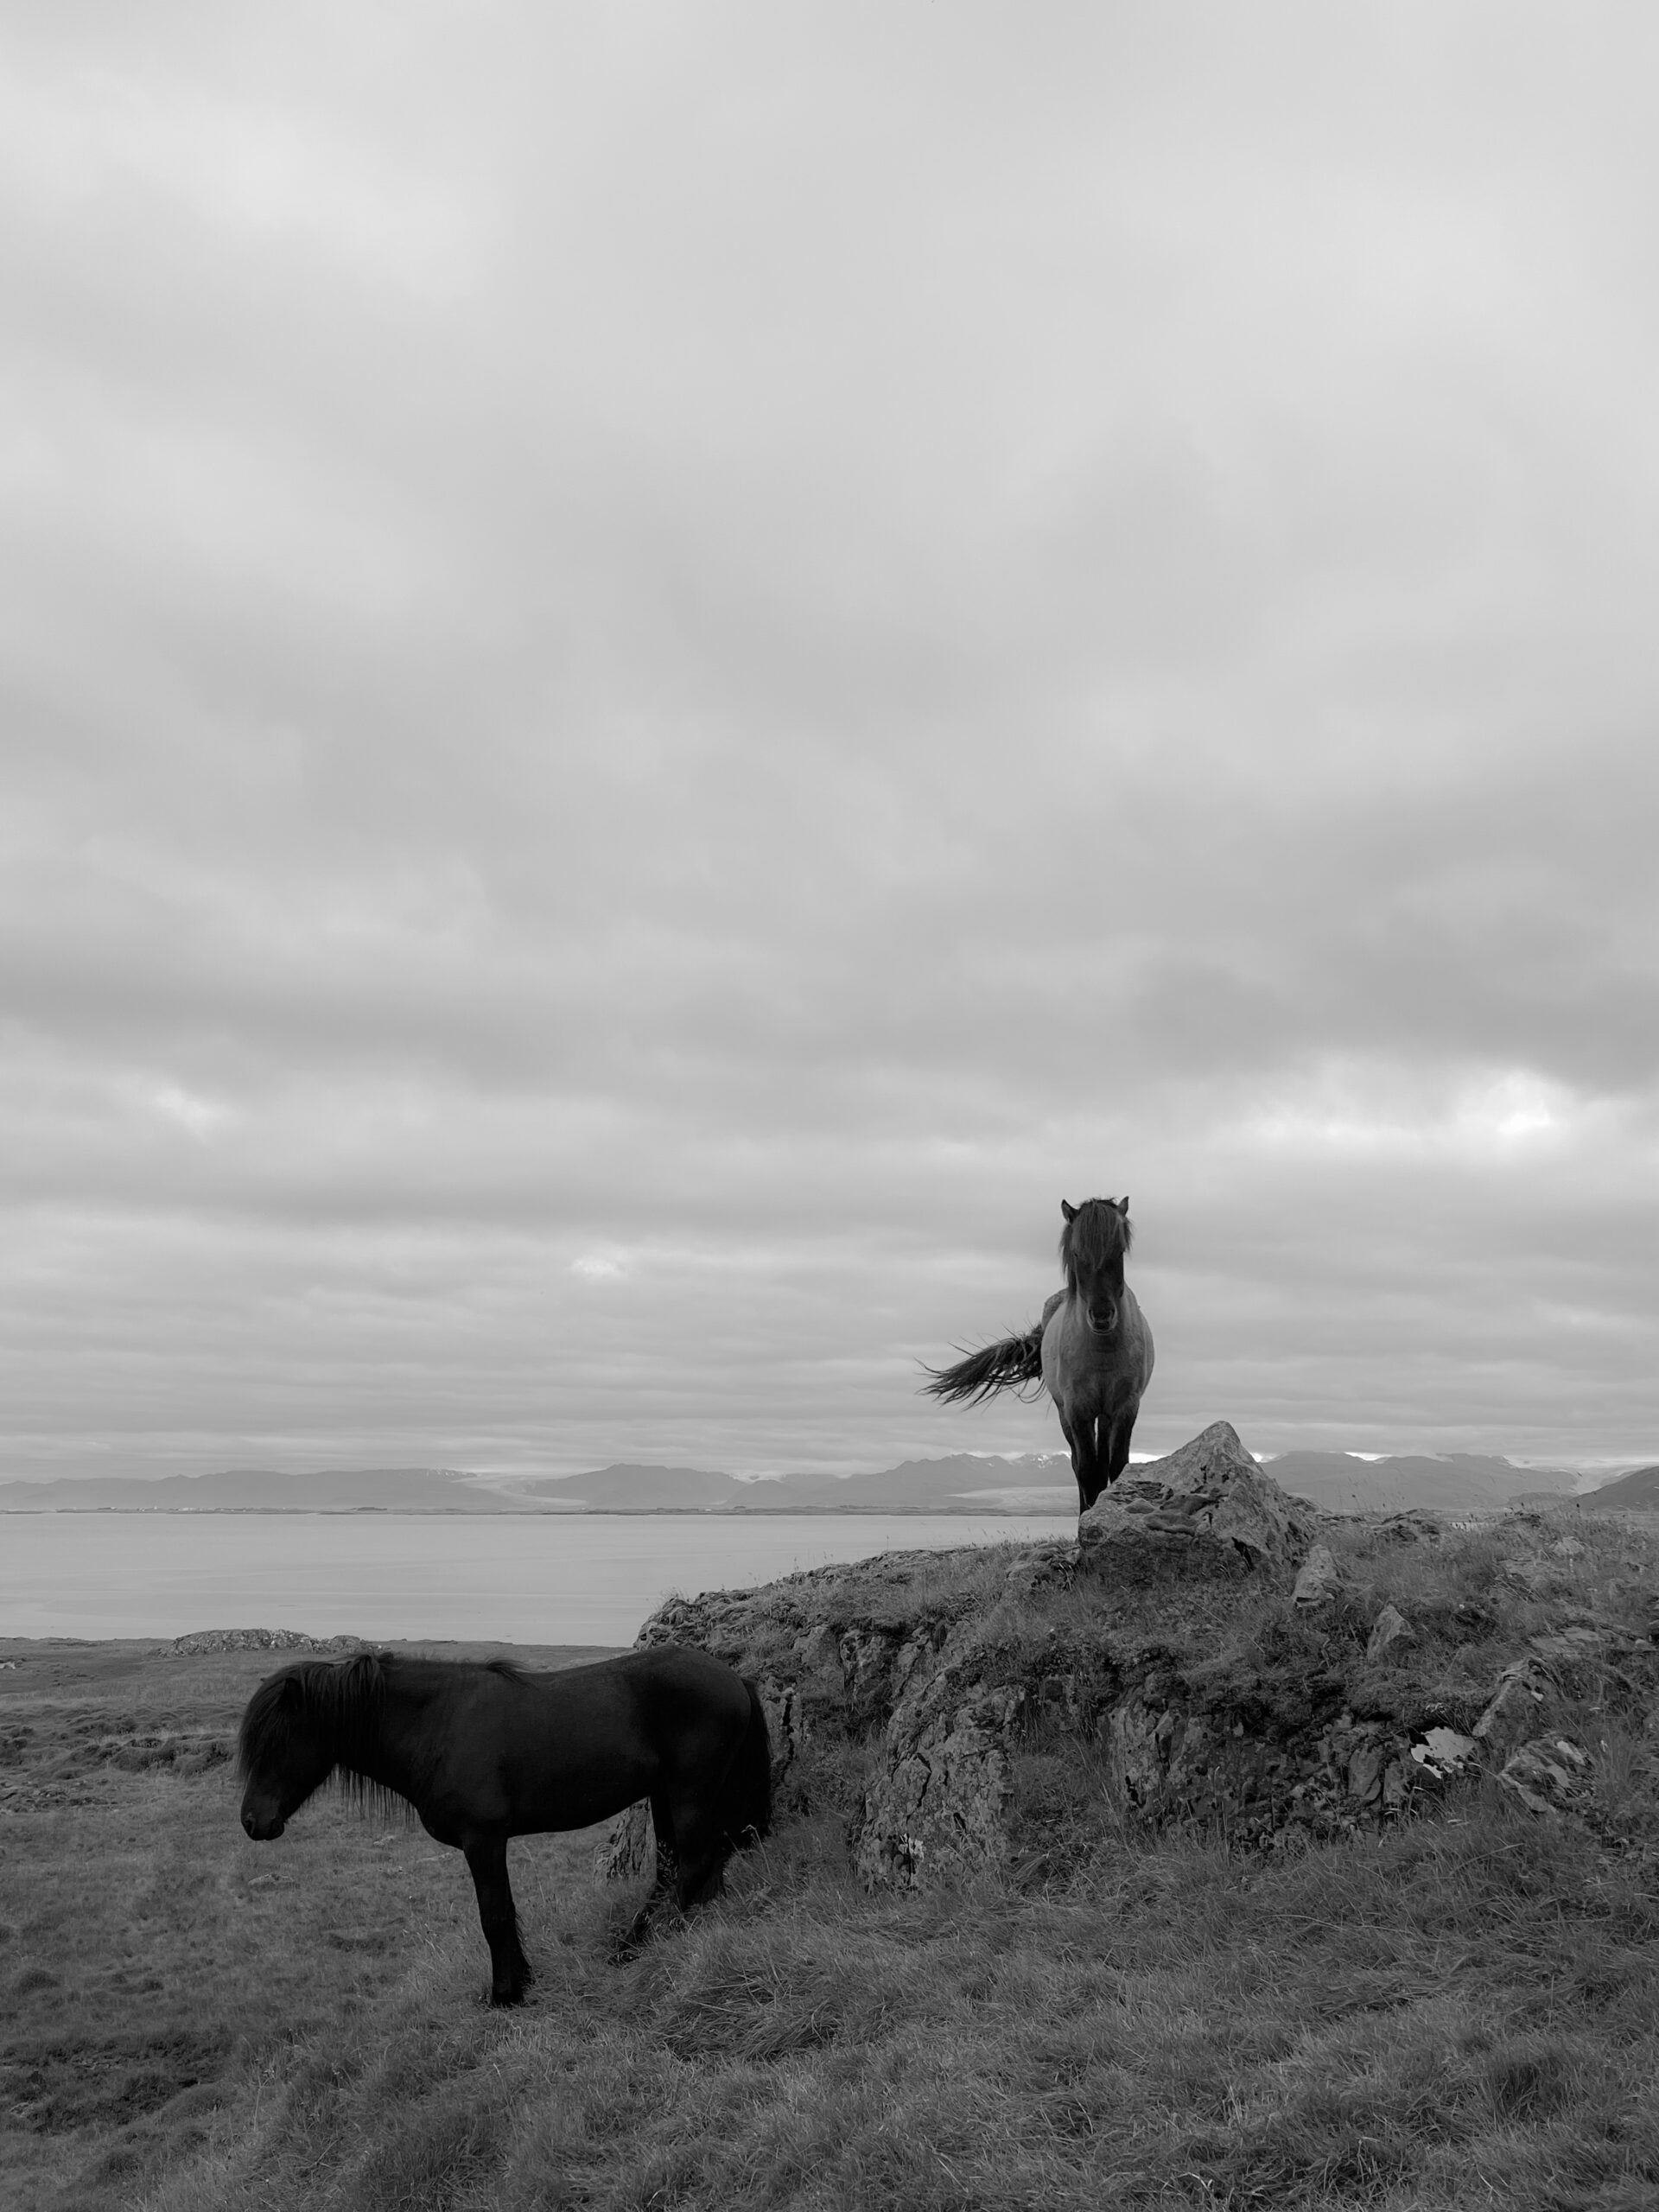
203, 1640
1207, 1510
939, 1810
1201, 1658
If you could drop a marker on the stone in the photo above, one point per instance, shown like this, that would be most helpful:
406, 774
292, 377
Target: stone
629, 1848
1366, 1770
1320, 1581
1444, 1752
819, 1654
1548, 1776
1530, 1577
938, 1810
1206, 1510
1518, 1710
1413, 1526
1392, 1634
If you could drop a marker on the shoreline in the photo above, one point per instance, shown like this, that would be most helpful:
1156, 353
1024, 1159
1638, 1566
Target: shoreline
546, 1512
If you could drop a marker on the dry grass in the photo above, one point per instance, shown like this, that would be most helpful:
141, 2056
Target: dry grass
1461, 2010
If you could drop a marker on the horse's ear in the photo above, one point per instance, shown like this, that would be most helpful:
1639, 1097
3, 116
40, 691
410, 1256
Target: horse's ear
1123, 1204
1069, 1211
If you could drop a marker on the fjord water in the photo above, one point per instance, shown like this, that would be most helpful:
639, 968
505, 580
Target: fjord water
573, 1579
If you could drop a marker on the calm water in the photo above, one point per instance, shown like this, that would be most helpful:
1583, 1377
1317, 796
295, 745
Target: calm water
576, 1578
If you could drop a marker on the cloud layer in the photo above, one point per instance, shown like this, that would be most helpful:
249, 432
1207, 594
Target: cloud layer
664, 672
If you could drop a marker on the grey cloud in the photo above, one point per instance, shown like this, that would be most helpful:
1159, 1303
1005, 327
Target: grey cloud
754, 653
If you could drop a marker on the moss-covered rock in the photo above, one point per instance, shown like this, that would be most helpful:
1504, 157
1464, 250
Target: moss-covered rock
1026, 1704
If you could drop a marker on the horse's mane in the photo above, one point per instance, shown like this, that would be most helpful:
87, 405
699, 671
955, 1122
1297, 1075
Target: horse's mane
340, 1701
1095, 1235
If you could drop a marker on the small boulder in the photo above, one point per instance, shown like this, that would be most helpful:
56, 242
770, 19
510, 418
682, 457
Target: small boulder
1548, 1776
1206, 1510
1411, 1527
1519, 1708
1320, 1581
1391, 1635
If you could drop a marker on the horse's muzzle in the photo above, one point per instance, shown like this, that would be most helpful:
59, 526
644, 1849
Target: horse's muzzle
1103, 1318
263, 1828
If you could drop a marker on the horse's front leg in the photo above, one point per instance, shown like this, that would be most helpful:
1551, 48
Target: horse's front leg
1085, 1460
486, 1861
1117, 1448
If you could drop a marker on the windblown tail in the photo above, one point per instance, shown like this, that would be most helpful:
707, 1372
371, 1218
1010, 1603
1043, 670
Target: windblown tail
746, 1814
1011, 1363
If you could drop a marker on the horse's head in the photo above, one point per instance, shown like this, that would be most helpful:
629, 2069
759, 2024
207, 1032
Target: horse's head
292, 1737
1095, 1238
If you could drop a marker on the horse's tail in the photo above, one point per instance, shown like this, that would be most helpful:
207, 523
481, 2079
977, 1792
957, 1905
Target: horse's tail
1011, 1363
747, 1816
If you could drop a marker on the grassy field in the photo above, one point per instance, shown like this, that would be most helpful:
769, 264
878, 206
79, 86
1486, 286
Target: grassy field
1456, 2010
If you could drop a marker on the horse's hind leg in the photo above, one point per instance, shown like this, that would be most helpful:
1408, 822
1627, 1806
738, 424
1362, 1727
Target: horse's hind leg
509, 1968
703, 1851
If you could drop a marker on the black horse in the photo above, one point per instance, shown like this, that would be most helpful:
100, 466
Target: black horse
1091, 1351
485, 1752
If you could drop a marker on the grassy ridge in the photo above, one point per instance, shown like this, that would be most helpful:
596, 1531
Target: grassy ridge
1455, 2010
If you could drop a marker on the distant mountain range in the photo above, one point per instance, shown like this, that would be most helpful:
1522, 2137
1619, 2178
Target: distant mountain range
1455, 1481
259, 1489
1038, 1483
1632, 1493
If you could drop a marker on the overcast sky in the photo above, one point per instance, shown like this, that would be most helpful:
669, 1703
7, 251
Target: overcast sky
665, 669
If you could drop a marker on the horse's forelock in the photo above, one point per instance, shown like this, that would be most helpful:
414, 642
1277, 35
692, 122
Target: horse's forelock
1095, 1234
336, 1699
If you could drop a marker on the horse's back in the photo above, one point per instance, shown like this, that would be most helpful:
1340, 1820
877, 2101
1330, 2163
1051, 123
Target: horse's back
579, 1744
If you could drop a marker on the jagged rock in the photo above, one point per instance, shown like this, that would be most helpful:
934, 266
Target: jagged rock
1596, 1640
1548, 1776
1413, 1526
938, 1810
629, 1848
1391, 1635
1519, 1709
819, 1654
786, 1724
1319, 1580
996, 1705
1206, 1510
1365, 1772
1530, 1577
868, 1660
